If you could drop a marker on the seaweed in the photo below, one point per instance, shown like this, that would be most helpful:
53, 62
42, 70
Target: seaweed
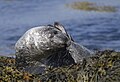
89, 6
102, 67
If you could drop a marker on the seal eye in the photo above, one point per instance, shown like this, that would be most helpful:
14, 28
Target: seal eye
55, 32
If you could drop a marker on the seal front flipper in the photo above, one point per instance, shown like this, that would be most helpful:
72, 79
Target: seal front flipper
62, 29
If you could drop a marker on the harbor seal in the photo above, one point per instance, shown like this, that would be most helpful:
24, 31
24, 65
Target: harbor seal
48, 45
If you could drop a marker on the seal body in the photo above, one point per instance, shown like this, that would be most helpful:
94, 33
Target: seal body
49, 45
42, 44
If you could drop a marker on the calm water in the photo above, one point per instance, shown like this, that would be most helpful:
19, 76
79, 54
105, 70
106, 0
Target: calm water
95, 30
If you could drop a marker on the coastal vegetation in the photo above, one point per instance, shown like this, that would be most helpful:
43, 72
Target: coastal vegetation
103, 67
89, 6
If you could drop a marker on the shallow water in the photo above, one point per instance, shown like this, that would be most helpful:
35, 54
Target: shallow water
95, 30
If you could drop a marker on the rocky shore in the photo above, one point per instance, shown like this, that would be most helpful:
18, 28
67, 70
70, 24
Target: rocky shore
103, 67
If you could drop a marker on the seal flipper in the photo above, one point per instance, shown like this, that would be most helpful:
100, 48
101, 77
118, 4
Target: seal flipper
62, 29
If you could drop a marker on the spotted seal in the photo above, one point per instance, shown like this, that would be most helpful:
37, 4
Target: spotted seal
49, 45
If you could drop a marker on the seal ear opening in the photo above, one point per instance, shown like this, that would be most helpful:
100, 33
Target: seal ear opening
62, 29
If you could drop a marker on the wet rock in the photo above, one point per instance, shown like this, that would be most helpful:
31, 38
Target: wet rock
88, 6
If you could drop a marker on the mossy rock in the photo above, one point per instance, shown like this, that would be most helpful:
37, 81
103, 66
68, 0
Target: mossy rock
89, 6
103, 67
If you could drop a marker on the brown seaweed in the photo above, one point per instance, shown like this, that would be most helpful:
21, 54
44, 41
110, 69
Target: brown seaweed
89, 6
103, 67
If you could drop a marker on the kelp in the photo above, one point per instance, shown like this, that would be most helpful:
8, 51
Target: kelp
89, 6
103, 67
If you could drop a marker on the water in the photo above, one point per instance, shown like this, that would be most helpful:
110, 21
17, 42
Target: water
95, 30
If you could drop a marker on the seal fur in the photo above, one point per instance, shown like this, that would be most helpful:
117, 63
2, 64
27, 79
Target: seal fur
49, 45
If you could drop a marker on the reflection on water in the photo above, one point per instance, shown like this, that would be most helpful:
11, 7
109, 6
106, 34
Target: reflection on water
90, 28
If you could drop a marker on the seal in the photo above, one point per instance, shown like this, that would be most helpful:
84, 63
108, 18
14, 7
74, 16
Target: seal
48, 45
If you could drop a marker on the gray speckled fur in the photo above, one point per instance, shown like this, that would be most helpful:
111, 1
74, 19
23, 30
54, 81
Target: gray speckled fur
49, 46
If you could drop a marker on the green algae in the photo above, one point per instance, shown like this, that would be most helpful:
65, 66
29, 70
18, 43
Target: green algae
89, 6
103, 67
